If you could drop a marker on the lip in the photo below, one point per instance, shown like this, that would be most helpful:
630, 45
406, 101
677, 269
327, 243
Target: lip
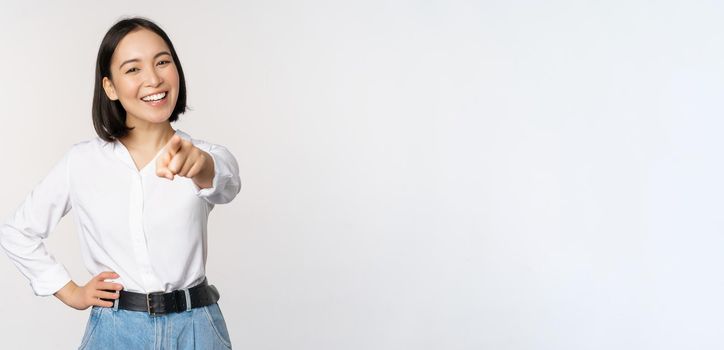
153, 93
159, 103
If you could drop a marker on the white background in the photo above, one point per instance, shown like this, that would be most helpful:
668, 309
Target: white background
415, 174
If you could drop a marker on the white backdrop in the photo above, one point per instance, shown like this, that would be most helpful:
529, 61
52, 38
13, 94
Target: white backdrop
415, 174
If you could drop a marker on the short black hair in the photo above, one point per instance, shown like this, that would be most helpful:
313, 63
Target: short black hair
109, 117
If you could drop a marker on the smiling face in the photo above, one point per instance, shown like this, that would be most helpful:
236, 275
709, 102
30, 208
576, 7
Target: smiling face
143, 77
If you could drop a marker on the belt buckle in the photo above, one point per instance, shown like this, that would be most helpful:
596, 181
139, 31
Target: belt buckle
148, 303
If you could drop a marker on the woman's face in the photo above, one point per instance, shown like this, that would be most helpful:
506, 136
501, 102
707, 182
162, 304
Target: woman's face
143, 77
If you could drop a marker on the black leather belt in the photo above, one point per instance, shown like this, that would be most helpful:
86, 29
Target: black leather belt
160, 303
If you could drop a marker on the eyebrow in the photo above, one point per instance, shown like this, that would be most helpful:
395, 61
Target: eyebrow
136, 59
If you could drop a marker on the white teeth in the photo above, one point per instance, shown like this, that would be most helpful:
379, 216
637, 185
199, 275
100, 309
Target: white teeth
155, 97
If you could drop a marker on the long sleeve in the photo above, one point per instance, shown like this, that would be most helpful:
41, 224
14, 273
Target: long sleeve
22, 235
226, 183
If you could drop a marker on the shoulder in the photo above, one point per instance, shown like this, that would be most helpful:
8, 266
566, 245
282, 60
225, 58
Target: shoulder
86, 146
202, 144
218, 152
84, 149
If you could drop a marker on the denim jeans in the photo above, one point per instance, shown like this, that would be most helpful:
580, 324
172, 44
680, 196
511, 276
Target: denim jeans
198, 328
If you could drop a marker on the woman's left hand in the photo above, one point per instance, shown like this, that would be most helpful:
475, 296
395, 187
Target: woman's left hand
181, 157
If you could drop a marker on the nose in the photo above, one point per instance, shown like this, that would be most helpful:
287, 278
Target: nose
153, 79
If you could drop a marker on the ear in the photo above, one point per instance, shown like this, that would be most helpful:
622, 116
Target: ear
110, 90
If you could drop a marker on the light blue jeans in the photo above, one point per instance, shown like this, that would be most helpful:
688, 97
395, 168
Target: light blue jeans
199, 328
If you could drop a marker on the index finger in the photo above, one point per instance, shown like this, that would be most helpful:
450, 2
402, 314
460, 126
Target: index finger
173, 145
162, 166
109, 286
106, 275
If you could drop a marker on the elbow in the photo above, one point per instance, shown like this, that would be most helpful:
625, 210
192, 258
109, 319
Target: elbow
234, 189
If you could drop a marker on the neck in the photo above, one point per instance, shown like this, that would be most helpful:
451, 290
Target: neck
146, 135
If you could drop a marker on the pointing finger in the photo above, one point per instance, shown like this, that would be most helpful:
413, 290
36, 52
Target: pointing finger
162, 166
174, 144
177, 162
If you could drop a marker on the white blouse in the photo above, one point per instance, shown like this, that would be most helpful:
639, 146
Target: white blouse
148, 229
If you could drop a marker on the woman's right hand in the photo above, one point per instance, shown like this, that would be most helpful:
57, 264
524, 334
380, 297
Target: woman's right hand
81, 298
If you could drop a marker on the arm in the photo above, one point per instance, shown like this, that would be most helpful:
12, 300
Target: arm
22, 235
225, 183
212, 168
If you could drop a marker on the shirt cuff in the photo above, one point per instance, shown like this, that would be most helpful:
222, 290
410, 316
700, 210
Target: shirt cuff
50, 281
205, 192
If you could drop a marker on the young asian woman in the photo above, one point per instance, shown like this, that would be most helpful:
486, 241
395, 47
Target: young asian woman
141, 192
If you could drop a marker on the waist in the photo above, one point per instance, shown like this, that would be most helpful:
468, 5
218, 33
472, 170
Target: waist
159, 303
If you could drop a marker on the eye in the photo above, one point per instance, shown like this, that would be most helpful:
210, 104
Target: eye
163, 62
132, 70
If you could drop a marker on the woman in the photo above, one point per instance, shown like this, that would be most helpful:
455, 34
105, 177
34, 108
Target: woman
142, 193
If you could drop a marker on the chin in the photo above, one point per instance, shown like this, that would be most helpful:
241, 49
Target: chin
153, 118
159, 119
157, 116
